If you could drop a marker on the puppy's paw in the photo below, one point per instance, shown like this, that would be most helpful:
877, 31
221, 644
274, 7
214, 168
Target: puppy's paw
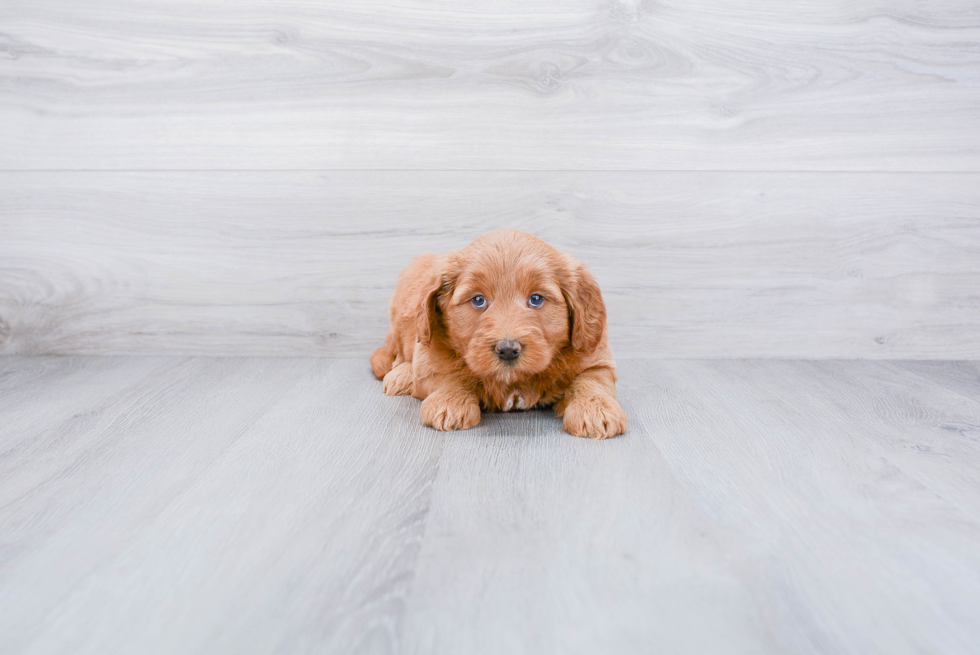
450, 412
595, 417
398, 381
381, 361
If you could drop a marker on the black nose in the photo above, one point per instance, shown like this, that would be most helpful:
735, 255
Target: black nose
508, 350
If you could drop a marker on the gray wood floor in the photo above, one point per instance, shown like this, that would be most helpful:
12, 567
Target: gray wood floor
199, 505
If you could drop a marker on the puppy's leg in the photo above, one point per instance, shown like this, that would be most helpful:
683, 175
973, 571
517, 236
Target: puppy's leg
589, 407
398, 381
452, 405
381, 361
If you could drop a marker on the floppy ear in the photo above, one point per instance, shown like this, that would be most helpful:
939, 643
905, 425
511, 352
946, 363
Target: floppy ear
440, 281
586, 310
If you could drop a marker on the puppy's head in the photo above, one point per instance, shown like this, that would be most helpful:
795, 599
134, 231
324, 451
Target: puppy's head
509, 303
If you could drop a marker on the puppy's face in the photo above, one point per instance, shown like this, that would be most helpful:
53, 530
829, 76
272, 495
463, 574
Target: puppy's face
507, 316
509, 303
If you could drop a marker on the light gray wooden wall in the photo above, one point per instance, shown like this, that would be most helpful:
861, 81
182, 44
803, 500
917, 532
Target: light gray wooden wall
793, 179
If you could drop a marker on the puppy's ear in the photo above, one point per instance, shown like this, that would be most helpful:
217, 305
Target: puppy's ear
440, 281
586, 310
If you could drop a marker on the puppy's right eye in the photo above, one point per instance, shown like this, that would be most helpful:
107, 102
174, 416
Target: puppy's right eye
479, 302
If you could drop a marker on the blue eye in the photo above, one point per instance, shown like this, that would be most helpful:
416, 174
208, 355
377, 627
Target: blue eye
536, 300
479, 302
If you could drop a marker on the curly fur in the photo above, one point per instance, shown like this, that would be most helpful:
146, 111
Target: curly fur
441, 348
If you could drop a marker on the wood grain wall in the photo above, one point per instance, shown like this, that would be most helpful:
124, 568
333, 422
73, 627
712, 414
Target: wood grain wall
795, 179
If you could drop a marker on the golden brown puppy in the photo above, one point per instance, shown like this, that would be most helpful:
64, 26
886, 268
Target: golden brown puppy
507, 322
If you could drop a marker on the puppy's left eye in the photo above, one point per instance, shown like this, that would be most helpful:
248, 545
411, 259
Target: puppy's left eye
536, 300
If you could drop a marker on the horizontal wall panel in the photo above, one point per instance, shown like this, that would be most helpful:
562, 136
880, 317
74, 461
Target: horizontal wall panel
498, 85
301, 263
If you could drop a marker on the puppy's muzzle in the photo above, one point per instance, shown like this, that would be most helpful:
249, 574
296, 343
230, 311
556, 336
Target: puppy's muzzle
507, 350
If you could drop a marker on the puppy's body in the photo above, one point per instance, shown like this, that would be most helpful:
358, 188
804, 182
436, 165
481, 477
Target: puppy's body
505, 323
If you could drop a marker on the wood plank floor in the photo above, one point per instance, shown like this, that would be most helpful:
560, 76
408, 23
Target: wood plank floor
245, 505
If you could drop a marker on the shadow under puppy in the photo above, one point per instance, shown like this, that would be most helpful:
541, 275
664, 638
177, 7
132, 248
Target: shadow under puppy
508, 322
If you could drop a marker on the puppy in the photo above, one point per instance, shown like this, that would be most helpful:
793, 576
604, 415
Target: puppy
508, 322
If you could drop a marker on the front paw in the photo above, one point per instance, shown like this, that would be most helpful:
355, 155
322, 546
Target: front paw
595, 417
444, 412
